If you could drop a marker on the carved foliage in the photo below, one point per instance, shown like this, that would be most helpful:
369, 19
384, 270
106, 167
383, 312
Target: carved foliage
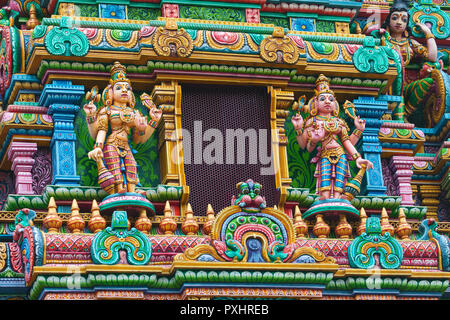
175, 43
361, 253
108, 243
431, 15
369, 59
66, 41
279, 50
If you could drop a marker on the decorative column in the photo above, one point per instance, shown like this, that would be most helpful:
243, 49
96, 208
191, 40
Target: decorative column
429, 194
167, 95
62, 99
371, 110
21, 155
402, 167
280, 101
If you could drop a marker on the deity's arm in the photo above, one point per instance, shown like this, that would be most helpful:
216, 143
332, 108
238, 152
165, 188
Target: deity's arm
100, 139
96, 121
429, 52
302, 138
355, 136
350, 148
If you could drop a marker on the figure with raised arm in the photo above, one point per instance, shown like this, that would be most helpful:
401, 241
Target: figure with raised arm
396, 33
324, 130
112, 125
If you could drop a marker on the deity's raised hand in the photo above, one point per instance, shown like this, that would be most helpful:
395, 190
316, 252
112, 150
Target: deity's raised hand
155, 114
90, 108
297, 121
424, 28
360, 124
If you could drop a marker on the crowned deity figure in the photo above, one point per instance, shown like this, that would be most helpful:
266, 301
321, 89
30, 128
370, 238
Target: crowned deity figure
324, 130
112, 125
396, 34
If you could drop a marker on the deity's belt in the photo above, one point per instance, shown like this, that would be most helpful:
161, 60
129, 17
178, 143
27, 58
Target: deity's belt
332, 154
118, 142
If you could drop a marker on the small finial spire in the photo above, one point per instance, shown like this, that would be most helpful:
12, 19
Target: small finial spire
97, 222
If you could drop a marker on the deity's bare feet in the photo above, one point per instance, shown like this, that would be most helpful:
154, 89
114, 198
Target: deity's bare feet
120, 189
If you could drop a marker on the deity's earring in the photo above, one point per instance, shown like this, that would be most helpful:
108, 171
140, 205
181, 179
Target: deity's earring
106, 96
312, 107
132, 101
406, 33
336, 109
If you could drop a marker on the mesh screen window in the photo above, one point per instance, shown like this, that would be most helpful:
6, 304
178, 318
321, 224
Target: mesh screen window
226, 139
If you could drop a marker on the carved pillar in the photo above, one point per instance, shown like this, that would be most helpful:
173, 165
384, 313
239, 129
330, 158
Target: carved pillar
21, 155
170, 143
279, 103
62, 99
371, 110
430, 198
402, 167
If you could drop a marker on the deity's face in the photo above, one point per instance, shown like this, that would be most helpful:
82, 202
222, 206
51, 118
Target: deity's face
326, 103
398, 22
121, 92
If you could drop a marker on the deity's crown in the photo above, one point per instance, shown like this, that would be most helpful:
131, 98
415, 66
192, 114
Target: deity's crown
322, 85
118, 73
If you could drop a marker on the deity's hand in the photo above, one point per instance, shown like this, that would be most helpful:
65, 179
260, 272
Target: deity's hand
96, 154
360, 162
297, 121
424, 29
90, 108
317, 135
382, 31
360, 124
155, 114
140, 122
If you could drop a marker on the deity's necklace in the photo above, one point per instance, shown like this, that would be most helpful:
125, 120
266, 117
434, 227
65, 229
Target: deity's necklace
126, 114
403, 44
330, 124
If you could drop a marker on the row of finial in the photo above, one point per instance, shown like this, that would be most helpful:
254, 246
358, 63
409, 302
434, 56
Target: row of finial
76, 224
344, 230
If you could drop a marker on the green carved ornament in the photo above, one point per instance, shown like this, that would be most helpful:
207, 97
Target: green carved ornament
107, 244
368, 59
431, 15
64, 40
362, 251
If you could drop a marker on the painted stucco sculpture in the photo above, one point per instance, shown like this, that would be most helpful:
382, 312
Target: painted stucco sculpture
112, 152
90, 209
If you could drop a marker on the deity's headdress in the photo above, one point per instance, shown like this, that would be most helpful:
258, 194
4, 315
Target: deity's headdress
400, 5
118, 74
322, 86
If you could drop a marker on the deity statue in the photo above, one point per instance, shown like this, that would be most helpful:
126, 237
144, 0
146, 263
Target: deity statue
111, 125
324, 130
396, 34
